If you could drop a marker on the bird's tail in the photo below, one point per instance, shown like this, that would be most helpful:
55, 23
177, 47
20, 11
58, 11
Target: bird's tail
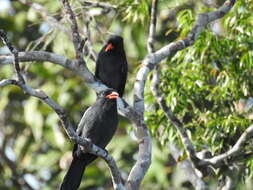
74, 175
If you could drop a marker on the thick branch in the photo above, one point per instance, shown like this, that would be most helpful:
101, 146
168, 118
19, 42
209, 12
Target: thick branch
144, 158
145, 147
73, 65
145, 144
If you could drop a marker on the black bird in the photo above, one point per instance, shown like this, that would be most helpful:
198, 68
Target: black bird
111, 65
98, 124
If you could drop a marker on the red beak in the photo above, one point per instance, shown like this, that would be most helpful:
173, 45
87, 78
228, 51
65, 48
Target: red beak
113, 95
109, 47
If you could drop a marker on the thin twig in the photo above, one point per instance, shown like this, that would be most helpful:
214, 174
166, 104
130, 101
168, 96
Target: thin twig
152, 26
88, 44
234, 150
172, 13
77, 41
14, 51
98, 4
54, 23
189, 147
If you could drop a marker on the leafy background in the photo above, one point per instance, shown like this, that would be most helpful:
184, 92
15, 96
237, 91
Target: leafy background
208, 86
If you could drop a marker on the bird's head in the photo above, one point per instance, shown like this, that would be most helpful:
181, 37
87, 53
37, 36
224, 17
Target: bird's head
110, 94
114, 43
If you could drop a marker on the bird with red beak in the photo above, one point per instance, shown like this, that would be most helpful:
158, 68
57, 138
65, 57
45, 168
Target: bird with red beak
98, 125
111, 65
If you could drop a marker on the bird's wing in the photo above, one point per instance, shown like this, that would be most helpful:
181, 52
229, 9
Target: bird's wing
124, 70
81, 124
97, 67
89, 122
98, 62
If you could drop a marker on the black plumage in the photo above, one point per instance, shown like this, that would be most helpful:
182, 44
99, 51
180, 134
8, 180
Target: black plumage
111, 65
98, 124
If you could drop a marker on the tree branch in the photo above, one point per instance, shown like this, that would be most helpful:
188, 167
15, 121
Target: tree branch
14, 51
152, 27
78, 43
202, 20
98, 4
172, 48
89, 46
73, 65
145, 143
235, 150
81, 70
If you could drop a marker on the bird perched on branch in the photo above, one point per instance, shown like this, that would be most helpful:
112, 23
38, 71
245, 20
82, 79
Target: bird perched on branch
111, 65
98, 124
